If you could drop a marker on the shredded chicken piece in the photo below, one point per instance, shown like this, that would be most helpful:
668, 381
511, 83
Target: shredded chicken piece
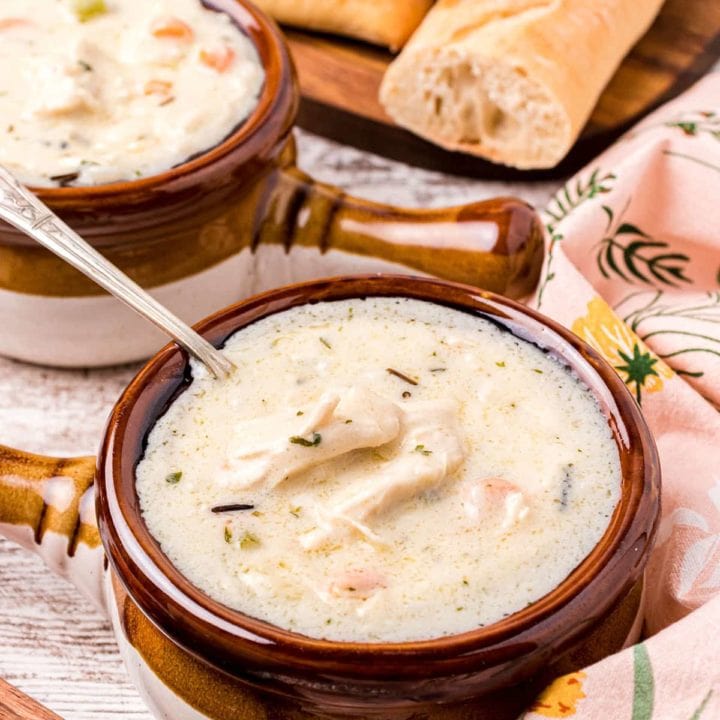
430, 451
68, 87
272, 449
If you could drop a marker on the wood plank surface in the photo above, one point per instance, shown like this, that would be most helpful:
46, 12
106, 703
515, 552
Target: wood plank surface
340, 80
54, 645
56, 648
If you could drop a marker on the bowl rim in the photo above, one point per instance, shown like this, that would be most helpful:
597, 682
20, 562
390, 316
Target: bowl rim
269, 43
208, 628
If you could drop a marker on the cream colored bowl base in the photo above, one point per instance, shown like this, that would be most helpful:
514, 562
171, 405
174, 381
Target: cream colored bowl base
98, 331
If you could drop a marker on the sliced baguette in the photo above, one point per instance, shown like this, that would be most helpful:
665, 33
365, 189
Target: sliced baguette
383, 22
513, 81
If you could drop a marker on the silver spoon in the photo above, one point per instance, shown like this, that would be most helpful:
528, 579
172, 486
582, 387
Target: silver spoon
26, 212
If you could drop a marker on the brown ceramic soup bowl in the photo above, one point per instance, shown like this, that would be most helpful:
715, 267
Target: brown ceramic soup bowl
233, 221
195, 658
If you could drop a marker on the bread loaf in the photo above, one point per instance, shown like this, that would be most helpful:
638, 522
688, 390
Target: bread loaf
511, 80
383, 22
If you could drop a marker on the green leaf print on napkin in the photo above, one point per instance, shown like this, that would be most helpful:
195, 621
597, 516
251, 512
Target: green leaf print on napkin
637, 368
705, 312
690, 123
644, 693
571, 196
631, 254
698, 713
697, 123
561, 205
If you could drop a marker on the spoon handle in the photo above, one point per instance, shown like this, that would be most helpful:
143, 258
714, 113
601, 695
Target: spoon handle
26, 212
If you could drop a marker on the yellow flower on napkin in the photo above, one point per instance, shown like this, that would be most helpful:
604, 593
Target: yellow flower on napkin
559, 700
638, 366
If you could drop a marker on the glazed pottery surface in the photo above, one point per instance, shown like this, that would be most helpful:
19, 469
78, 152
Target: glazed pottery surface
231, 222
194, 658
354, 677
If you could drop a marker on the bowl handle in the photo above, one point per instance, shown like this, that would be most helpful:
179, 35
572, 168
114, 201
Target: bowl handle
494, 244
47, 505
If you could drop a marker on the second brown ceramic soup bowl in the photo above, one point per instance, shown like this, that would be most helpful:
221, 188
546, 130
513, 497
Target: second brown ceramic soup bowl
193, 657
233, 221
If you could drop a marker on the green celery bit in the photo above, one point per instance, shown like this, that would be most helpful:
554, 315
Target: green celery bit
88, 9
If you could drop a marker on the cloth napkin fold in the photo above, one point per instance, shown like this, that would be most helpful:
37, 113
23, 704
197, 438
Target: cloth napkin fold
633, 267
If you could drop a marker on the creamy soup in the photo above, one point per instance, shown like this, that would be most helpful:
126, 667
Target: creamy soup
380, 470
95, 91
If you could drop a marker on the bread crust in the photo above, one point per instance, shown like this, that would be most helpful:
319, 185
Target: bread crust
514, 81
383, 22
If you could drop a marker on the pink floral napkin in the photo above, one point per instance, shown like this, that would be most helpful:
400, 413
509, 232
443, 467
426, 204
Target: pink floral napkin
633, 268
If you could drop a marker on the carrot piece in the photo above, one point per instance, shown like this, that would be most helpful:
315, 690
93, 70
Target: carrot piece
490, 493
9, 23
158, 87
172, 28
219, 59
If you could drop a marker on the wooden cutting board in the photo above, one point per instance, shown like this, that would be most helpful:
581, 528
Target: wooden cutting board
339, 80
15, 705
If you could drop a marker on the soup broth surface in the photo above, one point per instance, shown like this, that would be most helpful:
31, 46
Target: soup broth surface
97, 91
380, 470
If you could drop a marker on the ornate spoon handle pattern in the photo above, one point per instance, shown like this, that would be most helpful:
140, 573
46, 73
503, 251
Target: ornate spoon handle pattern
23, 210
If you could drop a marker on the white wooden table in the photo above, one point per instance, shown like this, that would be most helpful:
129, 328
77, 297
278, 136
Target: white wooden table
53, 647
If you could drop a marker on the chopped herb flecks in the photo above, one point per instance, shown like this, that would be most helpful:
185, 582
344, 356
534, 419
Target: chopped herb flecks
173, 478
249, 541
421, 449
500, 363
233, 507
566, 487
296, 511
298, 440
402, 376
538, 371
326, 343
66, 179
87, 9
228, 535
